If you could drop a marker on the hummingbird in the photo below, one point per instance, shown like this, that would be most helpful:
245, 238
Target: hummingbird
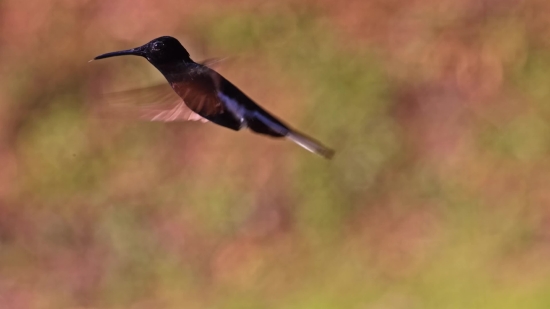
205, 95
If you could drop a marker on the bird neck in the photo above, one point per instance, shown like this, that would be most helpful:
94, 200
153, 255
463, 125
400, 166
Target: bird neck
176, 72
173, 66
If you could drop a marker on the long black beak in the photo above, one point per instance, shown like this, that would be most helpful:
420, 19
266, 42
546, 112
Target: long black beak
138, 51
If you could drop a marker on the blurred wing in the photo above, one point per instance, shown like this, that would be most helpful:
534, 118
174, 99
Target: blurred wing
169, 113
154, 103
212, 61
200, 93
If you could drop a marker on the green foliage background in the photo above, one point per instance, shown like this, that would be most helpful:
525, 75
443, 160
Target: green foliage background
437, 196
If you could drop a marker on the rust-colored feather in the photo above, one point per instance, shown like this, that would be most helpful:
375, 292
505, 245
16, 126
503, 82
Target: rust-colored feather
200, 93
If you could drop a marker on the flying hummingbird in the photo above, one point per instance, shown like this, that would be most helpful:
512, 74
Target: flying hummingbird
205, 95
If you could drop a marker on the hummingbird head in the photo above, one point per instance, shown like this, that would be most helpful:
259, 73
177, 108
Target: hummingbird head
160, 51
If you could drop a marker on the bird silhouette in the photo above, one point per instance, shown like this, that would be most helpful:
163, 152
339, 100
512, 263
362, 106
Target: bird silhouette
205, 95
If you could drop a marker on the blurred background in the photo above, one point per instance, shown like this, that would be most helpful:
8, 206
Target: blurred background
437, 197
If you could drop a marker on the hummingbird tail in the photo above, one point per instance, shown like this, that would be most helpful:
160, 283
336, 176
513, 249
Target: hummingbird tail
310, 144
263, 123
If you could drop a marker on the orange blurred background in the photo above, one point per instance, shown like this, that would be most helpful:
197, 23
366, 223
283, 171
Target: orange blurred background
437, 196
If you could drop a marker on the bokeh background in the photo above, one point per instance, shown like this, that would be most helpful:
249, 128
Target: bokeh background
438, 196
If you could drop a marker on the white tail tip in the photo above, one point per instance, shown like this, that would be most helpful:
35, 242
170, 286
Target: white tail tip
310, 144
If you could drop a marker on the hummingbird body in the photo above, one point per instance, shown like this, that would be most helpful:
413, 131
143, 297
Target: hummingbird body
209, 95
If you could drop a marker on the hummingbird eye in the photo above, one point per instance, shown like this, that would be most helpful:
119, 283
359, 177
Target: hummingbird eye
157, 45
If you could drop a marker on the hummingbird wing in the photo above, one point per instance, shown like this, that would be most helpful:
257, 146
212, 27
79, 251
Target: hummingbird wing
212, 61
177, 112
154, 103
199, 91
